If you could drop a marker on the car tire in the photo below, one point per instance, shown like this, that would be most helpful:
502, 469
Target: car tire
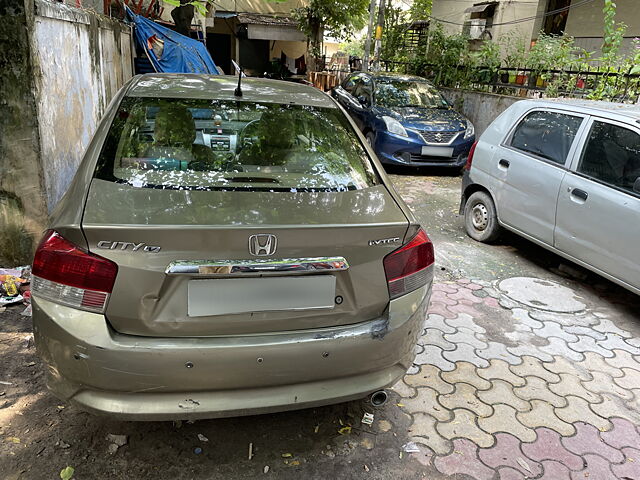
480, 218
371, 139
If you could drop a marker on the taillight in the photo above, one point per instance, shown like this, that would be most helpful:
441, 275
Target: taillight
406, 267
66, 274
467, 166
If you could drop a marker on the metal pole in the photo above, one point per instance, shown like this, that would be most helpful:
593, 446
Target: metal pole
378, 43
367, 43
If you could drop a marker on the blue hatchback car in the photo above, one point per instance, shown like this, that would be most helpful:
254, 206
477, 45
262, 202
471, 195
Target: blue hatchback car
406, 120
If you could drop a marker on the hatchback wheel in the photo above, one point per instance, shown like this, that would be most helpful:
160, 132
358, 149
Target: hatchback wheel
371, 139
480, 219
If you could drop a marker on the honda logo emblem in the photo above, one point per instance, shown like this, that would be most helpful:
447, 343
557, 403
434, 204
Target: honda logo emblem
262, 244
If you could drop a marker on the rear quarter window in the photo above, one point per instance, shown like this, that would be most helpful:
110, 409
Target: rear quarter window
546, 134
235, 145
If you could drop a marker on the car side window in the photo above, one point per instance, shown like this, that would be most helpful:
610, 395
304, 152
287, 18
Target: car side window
364, 89
350, 83
612, 155
548, 135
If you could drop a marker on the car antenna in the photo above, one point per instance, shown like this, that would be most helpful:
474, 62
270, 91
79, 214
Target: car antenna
238, 91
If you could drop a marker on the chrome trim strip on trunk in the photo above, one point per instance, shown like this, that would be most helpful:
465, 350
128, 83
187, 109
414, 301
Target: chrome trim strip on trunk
262, 266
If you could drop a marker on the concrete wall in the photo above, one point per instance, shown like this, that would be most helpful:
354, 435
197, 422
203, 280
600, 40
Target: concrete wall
84, 59
480, 108
59, 67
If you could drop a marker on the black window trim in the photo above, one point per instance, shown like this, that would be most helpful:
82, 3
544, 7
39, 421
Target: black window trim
583, 146
506, 141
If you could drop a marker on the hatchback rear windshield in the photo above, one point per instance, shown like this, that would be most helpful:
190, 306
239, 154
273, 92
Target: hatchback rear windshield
233, 145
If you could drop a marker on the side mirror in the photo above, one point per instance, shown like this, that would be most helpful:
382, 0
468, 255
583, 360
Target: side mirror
636, 185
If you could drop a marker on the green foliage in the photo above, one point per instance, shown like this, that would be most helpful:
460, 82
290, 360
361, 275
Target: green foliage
613, 32
420, 9
353, 47
67, 473
200, 5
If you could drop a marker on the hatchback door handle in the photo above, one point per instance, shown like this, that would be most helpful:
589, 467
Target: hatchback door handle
581, 194
504, 163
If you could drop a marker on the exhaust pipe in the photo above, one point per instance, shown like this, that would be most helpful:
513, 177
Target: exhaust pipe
379, 398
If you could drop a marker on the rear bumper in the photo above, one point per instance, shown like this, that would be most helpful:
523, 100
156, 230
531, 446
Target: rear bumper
142, 378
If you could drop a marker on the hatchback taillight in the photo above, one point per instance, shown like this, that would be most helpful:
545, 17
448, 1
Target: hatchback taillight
66, 274
467, 166
406, 267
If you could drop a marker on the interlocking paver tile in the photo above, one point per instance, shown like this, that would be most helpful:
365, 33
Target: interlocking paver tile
597, 468
464, 460
603, 383
440, 309
593, 361
465, 321
404, 390
427, 402
571, 385
464, 309
630, 379
465, 352
467, 373
623, 434
622, 359
507, 303
607, 326
614, 341
437, 321
499, 369
463, 425
465, 335
445, 287
553, 329
474, 286
577, 409
542, 415
527, 349
588, 344
423, 430
465, 295
613, 406
577, 330
502, 392
508, 473
465, 396
433, 336
533, 367
548, 446
555, 471
432, 355
561, 365
442, 297
496, 350
522, 316
429, 376
504, 420
558, 346
538, 389
418, 349
630, 468
587, 440
506, 453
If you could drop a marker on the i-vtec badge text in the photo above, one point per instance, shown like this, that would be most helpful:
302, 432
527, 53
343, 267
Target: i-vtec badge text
383, 241
128, 245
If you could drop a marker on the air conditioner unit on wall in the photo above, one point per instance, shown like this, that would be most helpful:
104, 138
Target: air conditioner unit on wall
477, 26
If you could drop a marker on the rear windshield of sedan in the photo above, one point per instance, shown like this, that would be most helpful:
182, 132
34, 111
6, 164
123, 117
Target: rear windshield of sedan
233, 145
398, 93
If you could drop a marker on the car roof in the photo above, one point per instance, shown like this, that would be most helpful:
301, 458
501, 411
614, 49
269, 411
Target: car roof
631, 111
222, 87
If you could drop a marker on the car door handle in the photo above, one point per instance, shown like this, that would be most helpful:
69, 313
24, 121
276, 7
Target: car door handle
504, 163
581, 194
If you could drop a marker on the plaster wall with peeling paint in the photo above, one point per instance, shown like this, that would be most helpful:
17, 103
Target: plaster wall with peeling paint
84, 58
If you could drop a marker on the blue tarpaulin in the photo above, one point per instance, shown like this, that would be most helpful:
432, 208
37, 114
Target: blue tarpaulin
169, 51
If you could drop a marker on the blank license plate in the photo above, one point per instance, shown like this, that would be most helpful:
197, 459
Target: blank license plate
437, 151
222, 296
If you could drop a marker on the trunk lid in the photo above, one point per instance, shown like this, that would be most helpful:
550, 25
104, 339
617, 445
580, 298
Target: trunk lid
206, 226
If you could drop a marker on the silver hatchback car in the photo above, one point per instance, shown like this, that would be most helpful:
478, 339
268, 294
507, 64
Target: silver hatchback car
566, 175
225, 252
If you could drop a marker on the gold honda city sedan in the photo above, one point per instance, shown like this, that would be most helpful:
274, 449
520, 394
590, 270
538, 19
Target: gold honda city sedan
224, 251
